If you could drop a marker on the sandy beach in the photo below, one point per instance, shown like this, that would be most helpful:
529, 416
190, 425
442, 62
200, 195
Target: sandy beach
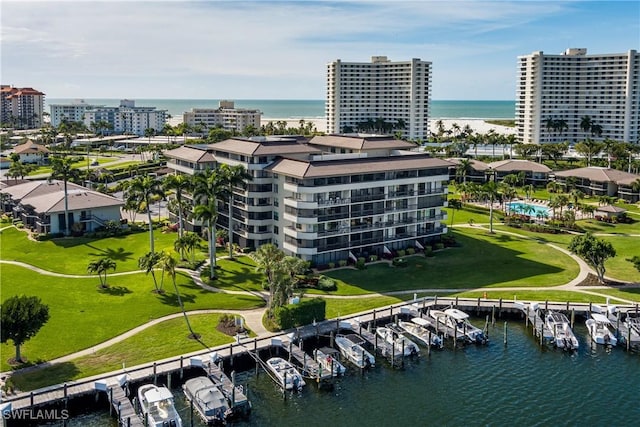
478, 125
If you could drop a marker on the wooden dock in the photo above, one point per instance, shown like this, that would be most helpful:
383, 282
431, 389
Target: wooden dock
309, 367
361, 323
235, 395
124, 410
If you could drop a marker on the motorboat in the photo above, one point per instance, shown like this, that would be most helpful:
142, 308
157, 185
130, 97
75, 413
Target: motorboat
457, 321
400, 343
633, 328
329, 363
598, 327
418, 328
286, 374
351, 347
208, 400
559, 326
157, 406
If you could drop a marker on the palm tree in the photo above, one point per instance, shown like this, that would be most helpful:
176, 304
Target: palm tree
181, 184
576, 195
563, 200
188, 242
454, 205
463, 168
209, 186
588, 148
268, 259
168, 265
489, 191
142, 190
100, 267
61, 168
148, 262
586, 123
233, 176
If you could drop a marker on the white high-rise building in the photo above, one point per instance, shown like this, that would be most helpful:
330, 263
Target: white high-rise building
73, 112
366, 96
226, 116
556, 92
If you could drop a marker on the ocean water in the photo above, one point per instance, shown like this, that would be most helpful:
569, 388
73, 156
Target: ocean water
520, 384
310, 108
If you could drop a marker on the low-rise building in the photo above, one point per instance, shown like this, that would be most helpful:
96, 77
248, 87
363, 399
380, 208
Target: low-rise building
73, 112
127, 118
600, 181
30, 152
477, 171
40, 205
534, 173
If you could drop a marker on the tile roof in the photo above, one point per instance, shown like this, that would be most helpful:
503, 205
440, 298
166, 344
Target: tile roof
77, 199
30, 147
262, 148
36, 188
360, 142
190, 153
313, 169
475, 164
600, 174
514, 165
610, 209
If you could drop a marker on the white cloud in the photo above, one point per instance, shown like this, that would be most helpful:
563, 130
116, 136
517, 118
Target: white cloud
255, 49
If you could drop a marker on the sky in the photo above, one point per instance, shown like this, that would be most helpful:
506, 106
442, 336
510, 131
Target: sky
279, 50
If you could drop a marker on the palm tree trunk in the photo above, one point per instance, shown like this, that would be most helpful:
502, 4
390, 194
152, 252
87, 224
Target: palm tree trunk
18, 355
186, 318
151, 248
491, 215
67, 228
230, 222
212, 250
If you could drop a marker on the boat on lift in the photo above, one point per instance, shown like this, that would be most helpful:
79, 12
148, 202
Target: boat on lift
419, 329
599, 331
559, 326
457, 322
157, 406
351, 347
329, 363
400, 343
207, 399
286, 374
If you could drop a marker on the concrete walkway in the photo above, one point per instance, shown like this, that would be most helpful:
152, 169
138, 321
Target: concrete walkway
253, 318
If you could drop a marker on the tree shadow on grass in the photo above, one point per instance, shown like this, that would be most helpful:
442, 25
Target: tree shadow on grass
171, 299
119, 254
117, 291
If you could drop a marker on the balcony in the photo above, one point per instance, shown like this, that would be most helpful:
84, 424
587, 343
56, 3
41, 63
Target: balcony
299, 251
300, 204
299, 234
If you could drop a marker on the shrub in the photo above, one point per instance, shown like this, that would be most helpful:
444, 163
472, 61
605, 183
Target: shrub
399, 262
439, 246
247, 250
303, 313
332, 265
401, 253
19, 224
373, 258
342, 263
360, 265
428, 252
362, 259
411, 251
327, 284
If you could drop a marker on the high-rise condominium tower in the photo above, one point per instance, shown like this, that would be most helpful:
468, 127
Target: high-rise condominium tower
573, 96
380, 96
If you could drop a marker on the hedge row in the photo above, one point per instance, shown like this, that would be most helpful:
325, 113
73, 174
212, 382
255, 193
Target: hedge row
303, 313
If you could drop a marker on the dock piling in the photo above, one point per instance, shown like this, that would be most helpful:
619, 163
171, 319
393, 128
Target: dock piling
181, 366
155, 373
478, 308
493, 315
500, 308
505, 333
573, 316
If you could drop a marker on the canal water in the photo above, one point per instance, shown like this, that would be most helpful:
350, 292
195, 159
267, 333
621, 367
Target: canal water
520, 384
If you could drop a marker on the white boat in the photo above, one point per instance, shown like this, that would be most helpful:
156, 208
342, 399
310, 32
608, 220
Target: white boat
559, 326
633, 328
418, 328
329, 363
458, 320
598, 327
208, 399
351, 347
286, 374
158, 409
399, 342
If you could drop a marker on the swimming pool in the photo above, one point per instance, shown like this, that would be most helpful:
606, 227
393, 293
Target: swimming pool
528, 209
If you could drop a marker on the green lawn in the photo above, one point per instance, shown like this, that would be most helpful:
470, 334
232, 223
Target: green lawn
157, 342
462, 216
482, 260
595, 226
72, 255
631, 294
238, 274
82, 316
618, 267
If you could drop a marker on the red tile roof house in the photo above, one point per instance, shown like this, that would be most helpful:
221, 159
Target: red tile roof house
41, 206
599, 181
30, 152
